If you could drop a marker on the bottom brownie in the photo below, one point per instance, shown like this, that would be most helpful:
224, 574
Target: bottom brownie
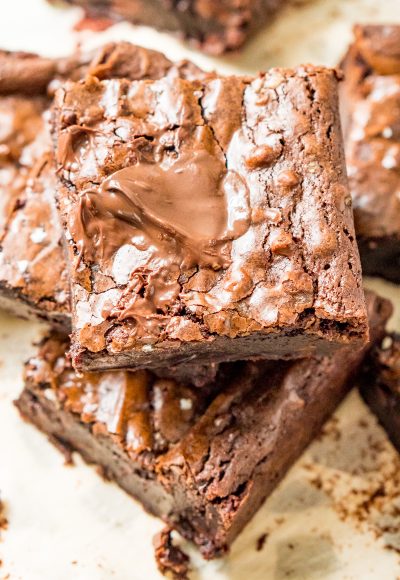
204, 460
380, 385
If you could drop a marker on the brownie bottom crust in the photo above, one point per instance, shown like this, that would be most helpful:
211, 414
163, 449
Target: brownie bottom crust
15, 302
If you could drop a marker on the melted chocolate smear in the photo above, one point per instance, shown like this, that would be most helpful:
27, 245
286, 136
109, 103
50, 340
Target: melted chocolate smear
171, 217
190, 206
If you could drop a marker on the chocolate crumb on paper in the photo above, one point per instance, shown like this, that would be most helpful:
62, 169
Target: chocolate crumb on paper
170, 559
261, 541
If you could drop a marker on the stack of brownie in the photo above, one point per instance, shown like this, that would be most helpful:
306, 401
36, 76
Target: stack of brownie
194, 236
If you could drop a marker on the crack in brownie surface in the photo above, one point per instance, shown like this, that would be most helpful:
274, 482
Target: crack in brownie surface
33, 280
275, 255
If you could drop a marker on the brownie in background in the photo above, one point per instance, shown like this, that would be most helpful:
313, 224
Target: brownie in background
371, 118
380, 386
216, 26
33, 277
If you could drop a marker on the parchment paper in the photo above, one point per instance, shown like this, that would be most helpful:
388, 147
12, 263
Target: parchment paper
324, 521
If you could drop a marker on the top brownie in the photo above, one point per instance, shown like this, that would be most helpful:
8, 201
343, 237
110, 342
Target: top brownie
214, 26
371, 112
207, 219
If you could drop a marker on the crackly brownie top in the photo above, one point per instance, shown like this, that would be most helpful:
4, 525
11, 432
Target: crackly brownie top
206, 208
32, 264
31, 257
383, 364
372, 116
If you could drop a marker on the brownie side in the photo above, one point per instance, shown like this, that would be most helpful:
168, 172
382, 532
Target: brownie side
274, 266
202, 460
33, 274
215, 27
380, 385
371, 113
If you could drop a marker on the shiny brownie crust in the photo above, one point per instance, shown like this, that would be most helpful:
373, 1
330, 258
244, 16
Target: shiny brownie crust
33, 272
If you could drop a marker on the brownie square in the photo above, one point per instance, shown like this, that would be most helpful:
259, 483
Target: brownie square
371, 113
33, 273
380, 385
213, 26
33, 277
205, 459
207, 219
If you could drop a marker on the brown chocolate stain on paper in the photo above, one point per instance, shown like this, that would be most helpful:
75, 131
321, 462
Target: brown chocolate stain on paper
359, 471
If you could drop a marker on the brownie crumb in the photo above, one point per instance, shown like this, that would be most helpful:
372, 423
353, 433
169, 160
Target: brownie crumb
170, 559
261, 542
